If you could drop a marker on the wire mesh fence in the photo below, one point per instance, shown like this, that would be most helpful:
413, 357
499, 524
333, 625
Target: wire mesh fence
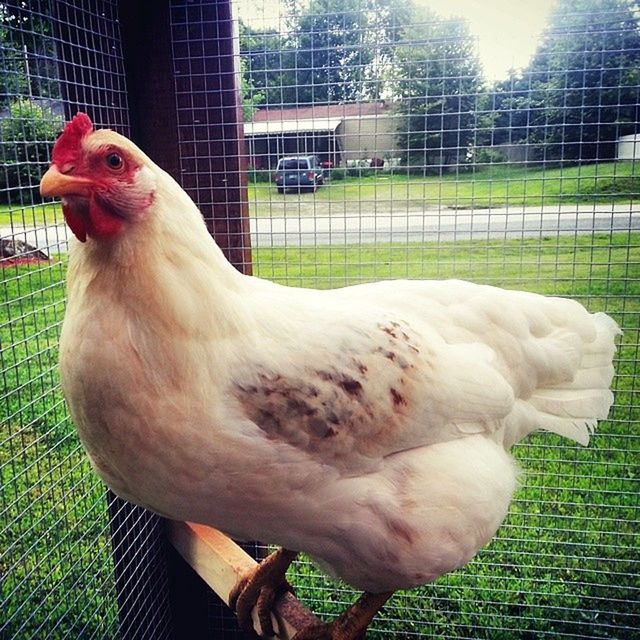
441, 162
70, 551
434, 161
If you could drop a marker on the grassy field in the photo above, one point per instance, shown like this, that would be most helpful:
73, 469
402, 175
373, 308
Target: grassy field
56, 566
563, 565
492, 186
34, 216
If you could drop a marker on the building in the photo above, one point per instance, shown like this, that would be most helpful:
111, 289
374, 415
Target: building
339, 134
629, 147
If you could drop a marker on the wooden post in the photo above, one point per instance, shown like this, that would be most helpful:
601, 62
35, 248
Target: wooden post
213, 162
148, 62
149, 65
185, 114
211, 139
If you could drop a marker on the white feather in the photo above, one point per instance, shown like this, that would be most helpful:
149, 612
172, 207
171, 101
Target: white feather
367, 426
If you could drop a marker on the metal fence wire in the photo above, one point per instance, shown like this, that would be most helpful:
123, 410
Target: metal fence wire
75, 560
437, 160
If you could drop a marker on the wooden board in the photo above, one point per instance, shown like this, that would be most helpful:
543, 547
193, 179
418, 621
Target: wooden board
220, 562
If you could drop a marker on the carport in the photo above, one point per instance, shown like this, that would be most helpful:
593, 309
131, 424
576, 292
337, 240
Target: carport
270, 140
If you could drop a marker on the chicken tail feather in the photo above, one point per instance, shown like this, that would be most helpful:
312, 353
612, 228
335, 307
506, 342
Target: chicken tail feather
572, 408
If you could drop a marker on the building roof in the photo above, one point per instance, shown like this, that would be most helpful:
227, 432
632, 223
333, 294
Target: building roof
270, 127
319, 112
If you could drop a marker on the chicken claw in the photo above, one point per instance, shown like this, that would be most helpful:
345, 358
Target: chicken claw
260, 588
350, 625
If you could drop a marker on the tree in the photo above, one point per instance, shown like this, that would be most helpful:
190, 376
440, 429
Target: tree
510, 101
27, 64
331, 51
26, 136
341, 45
580, 92
251, 98
266, 66
438, 81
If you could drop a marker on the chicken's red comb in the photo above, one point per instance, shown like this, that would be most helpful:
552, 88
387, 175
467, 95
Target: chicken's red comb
67, 146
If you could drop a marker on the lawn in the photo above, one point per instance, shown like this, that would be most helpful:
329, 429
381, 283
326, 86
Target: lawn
565, 562
563, 565
493, 186
37, 215
56, 567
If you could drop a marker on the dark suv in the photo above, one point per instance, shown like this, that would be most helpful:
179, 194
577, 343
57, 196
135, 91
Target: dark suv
299, 172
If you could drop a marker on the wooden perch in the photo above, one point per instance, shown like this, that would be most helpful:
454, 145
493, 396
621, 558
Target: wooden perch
220, 562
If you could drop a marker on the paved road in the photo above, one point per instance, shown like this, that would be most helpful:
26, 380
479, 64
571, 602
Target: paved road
413, 225
444, 224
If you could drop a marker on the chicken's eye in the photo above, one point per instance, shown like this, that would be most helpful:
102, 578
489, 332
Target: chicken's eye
114, 161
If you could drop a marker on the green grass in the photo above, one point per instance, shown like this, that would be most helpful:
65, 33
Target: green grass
54, 522
494, 186
564, 563
37, 215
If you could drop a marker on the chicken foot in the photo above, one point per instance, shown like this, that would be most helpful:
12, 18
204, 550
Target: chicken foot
350, 625
260, 588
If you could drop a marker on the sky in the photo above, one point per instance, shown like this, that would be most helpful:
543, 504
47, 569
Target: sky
507, 30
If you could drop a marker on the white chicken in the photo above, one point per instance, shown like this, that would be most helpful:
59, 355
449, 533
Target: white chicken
366, 426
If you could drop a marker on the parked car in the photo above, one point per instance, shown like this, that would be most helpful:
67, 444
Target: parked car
299, 172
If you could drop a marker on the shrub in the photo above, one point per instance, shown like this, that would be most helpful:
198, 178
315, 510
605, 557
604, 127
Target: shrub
361, 172
260, 175
26, 135
484, 155
611, 185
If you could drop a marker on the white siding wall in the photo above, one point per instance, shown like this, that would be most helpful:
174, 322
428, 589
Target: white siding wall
368, 137
629, 147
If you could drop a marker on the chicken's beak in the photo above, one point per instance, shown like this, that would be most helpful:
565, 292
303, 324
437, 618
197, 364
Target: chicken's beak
56, 184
